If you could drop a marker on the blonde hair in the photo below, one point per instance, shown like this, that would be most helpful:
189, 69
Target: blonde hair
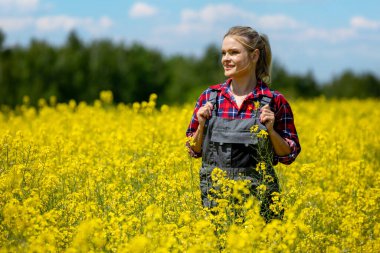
252, 40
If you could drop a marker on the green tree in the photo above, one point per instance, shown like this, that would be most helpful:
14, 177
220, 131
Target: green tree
2, 39
145, 73
36, 71
71, 69
350, 85
293, 85
183, 79
80, 71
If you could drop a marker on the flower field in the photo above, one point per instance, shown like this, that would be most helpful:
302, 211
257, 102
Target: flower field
117, 178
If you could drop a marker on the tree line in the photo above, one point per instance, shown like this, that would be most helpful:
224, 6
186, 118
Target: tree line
79, 71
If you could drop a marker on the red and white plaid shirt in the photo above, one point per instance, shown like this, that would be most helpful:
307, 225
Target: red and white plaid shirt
227, 108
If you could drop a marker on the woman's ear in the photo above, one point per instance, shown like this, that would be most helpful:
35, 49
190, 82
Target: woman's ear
255, 54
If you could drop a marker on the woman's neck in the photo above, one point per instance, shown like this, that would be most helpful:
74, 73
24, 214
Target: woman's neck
243, 86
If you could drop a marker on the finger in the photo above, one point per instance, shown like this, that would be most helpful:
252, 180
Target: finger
202, 112
264, 108
263, 115
267, 118
205, 113
209, 105
208, 113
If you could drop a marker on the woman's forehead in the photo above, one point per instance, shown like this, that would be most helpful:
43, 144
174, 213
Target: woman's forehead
231, 41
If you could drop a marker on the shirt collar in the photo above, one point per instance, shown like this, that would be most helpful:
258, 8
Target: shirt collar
261, 89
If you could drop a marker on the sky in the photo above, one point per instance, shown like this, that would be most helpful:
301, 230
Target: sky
325, 37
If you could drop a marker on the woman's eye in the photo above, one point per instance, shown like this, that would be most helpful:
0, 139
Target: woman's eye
230, 53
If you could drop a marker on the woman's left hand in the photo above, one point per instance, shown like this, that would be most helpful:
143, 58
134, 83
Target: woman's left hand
267, 117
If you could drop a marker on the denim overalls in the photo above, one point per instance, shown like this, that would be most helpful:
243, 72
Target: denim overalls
229, 145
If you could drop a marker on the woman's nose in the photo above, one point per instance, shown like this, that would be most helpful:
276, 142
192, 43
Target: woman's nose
225, 57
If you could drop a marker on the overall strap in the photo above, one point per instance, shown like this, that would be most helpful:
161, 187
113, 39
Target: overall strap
265, 100
212, 99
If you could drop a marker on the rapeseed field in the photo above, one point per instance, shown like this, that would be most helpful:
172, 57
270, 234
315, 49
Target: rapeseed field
117, 178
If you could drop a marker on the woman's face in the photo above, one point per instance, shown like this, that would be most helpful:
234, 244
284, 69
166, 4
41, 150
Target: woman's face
236, 59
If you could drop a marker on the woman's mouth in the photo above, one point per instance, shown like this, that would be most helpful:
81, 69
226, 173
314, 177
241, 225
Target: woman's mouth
228, 67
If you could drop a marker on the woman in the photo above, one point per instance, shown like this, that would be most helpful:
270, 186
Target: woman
225, 113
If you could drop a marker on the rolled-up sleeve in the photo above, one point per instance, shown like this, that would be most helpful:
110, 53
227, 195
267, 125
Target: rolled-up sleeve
285, 127
192, 153
193, 126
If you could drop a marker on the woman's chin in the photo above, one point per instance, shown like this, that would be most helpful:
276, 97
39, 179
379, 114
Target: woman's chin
228, 73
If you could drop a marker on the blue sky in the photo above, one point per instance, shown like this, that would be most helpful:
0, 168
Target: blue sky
322, 36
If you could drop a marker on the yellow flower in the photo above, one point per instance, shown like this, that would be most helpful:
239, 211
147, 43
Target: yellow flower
136, 106
116, 178
254, 128
257, 105
153, 97
106, 96
261, 188
262, 134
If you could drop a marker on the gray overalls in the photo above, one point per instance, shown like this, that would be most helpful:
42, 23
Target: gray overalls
229, 145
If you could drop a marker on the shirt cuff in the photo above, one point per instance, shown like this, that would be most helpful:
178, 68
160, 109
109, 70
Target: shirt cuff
288, 159
192, 153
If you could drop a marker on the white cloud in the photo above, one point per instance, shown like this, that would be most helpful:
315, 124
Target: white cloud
199, 27
62, 22
211, 21
18, 5
278, 22
54, 23
15, 24
328, 35
358, 27
364, 23
205, 21
213, 13
105, 22
211, 16
139, 10
51, 23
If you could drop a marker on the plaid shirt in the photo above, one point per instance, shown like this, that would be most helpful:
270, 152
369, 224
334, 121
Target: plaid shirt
227, 108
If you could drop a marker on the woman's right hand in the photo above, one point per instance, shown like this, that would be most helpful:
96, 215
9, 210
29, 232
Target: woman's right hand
204, 113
